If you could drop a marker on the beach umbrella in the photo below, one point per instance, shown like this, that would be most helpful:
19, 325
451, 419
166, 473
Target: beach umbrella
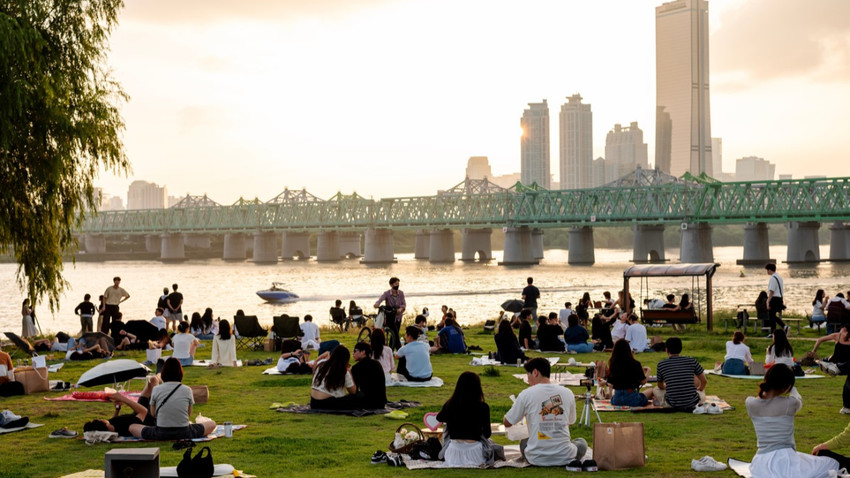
104, 340
21, 343
112, 372
513, 305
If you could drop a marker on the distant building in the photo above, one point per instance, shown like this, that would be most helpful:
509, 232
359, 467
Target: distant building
598, 172
145, 195
478, 167
576, 141
507, 180
783, 177
682, 114
534, 153
113, 203
717, 157
752, 168
172, 200
624, 151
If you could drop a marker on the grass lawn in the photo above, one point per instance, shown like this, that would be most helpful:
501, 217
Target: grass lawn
283, 444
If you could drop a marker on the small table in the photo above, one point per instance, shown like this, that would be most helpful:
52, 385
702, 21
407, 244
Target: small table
143, 461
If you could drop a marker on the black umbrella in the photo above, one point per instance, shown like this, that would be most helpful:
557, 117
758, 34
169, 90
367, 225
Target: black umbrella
105, 341
21, 343
112, 372
513, 305
142, 329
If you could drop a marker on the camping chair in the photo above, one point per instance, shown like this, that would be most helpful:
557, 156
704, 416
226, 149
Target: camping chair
251, 333
339, 319
284, 328
489, 326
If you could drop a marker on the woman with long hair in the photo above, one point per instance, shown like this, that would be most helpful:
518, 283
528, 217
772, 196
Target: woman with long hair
738, 357
685, 303
625, 376
210, 325
772, 413
761, 307
224, 346
780, 350
27, 322
507, 346
839, 362
101, 308
600, 333
818, 307
196, 326
380, 351
333, 388
466, 418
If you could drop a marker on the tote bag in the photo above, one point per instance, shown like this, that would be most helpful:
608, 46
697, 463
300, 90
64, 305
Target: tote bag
618, 446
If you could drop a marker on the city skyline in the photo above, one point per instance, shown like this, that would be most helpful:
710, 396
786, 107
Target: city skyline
267, 96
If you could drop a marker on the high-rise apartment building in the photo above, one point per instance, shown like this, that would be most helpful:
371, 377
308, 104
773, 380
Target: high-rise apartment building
752, 168
534, 154
624, 151
682, 114
576, 141
145, 195
717, 157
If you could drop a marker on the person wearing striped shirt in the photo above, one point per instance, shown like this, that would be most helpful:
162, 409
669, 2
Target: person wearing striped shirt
681, 379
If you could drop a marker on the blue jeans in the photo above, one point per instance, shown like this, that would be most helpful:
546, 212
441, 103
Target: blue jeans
734, 367
624, 398
584, 348
186, 361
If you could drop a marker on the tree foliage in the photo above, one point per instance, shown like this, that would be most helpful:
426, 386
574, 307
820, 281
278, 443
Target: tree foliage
59, 127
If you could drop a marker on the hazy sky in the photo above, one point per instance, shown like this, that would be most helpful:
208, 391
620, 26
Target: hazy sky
389, 98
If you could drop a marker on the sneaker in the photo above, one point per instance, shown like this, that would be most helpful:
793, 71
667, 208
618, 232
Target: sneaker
699, 410
395, 460
844, 411
574, 465
589, 465
829, 368
713, 409
63, 433
379, 457
707, 463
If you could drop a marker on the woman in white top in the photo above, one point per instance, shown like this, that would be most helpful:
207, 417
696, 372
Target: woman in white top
380, 351
184, 344
333, 388
28, 324
818, 313
772, 413
738, 357
224, 346
620, 327
780, 350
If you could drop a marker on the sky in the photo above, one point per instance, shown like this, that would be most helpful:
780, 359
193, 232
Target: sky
389, 98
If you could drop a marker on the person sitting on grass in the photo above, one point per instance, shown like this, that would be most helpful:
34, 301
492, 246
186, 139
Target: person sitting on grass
369, 378
422, 322
163, 341
550, 409
466, 419
184, 344
508, 350
525, 339
450, 339
621, 326
123, 339
310, 338
780, 351
224, 346
414, 359
738, 357
549, 336
380, 351
681, 379
577, 337
158, 320
842, 440
171, 404
333, 387
839, 362
119, 423
600, 334
625, 376
636, 334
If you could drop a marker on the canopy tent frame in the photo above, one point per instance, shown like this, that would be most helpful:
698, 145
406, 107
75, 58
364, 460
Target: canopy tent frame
693, 270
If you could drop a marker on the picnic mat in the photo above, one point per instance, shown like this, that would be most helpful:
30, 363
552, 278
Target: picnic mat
134, 396
513, 459
756, 377
559, 378
207, 363
605, 405
396, 380
218, 470
162, 472
17, 429
741, 468
275, 371
481, 361
217, 433
391, 406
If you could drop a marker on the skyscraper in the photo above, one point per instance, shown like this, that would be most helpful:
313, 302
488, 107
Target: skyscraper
576, 136
682, 115
624, 151
145, 195
534, 155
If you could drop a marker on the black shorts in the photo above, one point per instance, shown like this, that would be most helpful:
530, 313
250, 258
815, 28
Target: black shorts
195, 430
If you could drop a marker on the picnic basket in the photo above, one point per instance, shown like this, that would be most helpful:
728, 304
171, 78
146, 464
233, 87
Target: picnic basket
409, 446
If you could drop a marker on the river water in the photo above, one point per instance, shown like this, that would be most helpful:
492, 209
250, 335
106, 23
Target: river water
475, 291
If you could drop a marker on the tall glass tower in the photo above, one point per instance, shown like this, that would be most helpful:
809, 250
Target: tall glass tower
576, 136
534, 154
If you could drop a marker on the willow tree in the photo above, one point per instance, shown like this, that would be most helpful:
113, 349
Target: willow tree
60, 127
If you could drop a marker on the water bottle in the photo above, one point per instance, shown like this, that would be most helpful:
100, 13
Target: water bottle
228, 429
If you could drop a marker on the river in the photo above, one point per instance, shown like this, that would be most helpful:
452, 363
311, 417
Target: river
473, 290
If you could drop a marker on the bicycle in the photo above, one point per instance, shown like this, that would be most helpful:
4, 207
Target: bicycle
366, 332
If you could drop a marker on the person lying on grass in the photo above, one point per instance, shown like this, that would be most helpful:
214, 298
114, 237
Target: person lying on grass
119, 423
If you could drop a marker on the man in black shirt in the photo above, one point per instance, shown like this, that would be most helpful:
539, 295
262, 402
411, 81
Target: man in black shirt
530, 294
369, 378
120, 424
525, 340
85, 310
174, 311
547, 335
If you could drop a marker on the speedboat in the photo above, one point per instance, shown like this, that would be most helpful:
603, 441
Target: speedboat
277, 293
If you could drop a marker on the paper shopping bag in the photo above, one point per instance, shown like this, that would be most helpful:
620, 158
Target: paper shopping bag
153, 355
33, 380
618, 446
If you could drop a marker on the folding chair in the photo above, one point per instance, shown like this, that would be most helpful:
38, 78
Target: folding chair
285, 327
338, 319
489, 326
251, 333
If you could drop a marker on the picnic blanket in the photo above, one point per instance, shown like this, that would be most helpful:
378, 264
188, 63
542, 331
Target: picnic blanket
218, 470
17, 429
482, 361
605, 405
275, 371
756, 377
207, 363
741, 468
217, 433
391, 406
134, 396
559, 378
513, 459
164, 471
396, 380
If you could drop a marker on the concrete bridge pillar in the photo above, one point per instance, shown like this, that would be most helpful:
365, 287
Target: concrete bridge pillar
441, 248
476, 242
803, 242
265, 247
696, 243
295, 245
378, 247
519, 250
234, 247
756, 245
422, 244
581, 246
153, 243
171, 247
648, 244
95, 243
537, 243
200, 241
349, 244
839, 244
327, 246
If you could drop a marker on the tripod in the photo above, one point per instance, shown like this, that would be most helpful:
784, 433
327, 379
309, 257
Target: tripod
588, 406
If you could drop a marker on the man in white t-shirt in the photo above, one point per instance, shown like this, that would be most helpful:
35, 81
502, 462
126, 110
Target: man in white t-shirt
550, 409
565, 314
310, 331
636, 335
158, 320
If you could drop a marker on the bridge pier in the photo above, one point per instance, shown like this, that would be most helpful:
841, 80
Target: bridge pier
265, 247
378, 247
234, 247
581, 246
696, 243
200, 241
153, 243
95, 243
327, 246
476, 241
441, 248
838, 242
537, 243
422, 244
803, 242
756, 245
519, 250
171, 248
349, 244
295, 245
648, 244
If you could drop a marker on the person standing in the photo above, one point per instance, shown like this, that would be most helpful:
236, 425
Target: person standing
86, 311
27, 321
112, 297
175, 308
530, 294
394, 299
775, 303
